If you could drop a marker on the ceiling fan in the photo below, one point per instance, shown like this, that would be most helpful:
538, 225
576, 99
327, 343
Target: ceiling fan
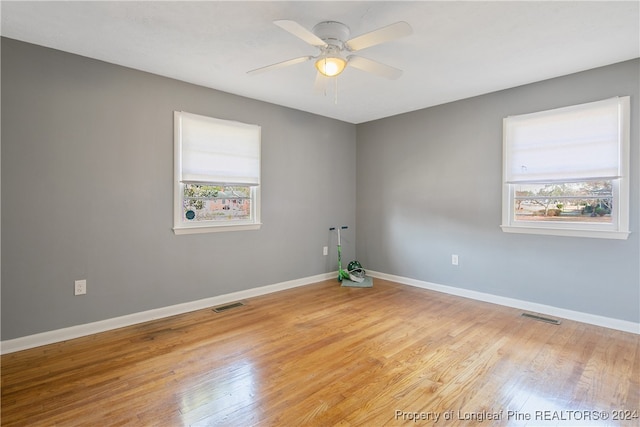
332, 39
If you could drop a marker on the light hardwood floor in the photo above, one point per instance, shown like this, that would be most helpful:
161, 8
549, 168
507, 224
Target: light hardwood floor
323, 355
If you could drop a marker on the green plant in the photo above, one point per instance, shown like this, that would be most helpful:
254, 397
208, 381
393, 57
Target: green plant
602, 211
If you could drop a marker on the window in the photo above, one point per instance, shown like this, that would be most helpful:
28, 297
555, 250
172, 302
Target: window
566, 171
216, 174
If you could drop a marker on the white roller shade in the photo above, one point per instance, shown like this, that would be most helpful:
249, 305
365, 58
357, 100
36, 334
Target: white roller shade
218, 151
581, 142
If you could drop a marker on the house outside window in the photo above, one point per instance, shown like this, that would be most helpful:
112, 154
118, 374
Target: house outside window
566, 171
216, 174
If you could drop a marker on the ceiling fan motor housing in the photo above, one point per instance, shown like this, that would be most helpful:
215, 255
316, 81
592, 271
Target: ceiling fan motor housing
333, 33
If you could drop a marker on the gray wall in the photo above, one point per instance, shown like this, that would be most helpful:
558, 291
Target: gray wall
429, 186
87, 169
87, 193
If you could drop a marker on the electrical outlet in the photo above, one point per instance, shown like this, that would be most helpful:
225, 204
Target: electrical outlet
80, 287
454, 259
325, 251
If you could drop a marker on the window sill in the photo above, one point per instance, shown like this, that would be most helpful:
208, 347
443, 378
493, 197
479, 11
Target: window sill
216, 228
567, 232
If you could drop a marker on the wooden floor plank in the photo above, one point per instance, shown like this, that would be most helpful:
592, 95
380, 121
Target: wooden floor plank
323, 355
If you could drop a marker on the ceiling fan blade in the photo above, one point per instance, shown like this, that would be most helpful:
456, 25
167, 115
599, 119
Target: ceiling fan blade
373, 67
280, 65
381, 35
299, 31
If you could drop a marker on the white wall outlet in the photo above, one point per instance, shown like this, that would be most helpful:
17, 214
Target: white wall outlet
325, 251
80, 287
454, 259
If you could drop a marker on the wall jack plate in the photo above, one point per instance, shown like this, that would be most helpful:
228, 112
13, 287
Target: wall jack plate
80, 287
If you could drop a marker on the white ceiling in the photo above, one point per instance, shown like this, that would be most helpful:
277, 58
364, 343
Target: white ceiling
457, 50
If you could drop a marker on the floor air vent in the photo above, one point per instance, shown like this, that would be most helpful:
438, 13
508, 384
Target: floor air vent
541, 318
227, 307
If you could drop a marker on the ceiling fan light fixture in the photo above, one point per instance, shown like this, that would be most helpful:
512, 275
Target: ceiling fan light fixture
331, 66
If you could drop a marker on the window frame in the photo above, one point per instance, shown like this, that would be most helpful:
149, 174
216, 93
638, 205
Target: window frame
619, 226
182, 225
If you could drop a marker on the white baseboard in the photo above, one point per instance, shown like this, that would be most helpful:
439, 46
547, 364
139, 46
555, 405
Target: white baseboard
607, 322
50, 337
